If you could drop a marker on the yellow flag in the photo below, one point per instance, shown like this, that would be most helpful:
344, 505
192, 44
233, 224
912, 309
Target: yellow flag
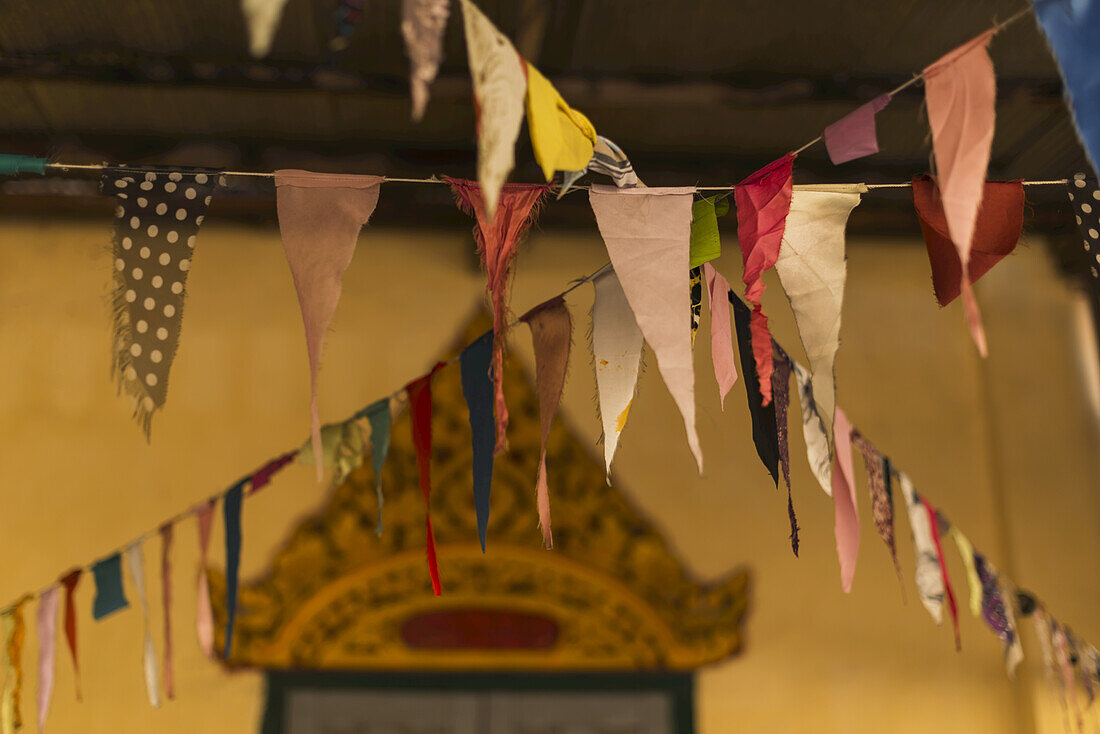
561, 136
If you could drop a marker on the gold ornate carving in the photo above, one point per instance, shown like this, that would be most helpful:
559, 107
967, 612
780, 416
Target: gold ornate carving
336, 595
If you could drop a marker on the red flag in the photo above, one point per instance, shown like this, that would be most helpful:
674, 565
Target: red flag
420, 408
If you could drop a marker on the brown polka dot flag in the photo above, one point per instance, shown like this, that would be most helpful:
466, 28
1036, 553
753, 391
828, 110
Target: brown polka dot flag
157, 218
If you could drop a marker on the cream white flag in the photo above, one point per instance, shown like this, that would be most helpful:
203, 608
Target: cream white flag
262, 18
813, 431
617, 349
929, 576
812, 270
135, 561
500, 83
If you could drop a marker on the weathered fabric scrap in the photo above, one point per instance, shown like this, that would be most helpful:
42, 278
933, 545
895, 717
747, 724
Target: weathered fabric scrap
846, 526
46, 621
476, 364
607, 159
497, 240
781, 394
422, 25
157, 218
419, 392
996, 609
818, 453
764, 434
721, 335
166, 532
939, 525
763, 201
882, 505
204, 616
231, 516
617, 353
562, 137
109, 596
647, 233
262, 18
811, 266
69, 582
497, 71
135, 562
929, 578
320, 216
854, 136
961, 95
379, 417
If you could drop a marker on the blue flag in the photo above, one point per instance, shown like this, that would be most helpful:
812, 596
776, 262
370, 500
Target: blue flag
1073, 29
231, 509
378, 414
109, 596
477, 388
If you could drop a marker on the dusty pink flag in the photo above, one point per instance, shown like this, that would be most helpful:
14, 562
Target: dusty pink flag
647, 232
320, 216
552, 335
204, 618
853, 136
47, 649
844, 495
763, 202
497, 244
721, 335
961, 93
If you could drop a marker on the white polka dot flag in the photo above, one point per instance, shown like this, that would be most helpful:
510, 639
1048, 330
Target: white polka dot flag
157, 218
1085, 195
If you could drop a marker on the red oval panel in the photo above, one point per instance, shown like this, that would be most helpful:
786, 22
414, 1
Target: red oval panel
479, 628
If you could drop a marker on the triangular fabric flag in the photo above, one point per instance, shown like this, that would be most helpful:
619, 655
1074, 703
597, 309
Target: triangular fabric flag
818, 453
1043, 634
342, 449
262, 476
853, 136
262, 18
781, 395
705, 243
422, 25
420, 408
46, 619
996, 232
997, 612
695, 283
936, 521
347, 16
846, 528
476, 365
811, 267
721, 337
552, 336
15, 626
763, 201
379, 418
961, 95
647, 233
1072, 29
764, 434
562, 137
7, 701
69, 581
204, 616
500, 83
609, 160
231, 516
882, 503
157, 218
320, 216
1085, 196
497, 240
109, 596
617, 353
973, 580
1060, 643
135, 562
166, 602
929, 577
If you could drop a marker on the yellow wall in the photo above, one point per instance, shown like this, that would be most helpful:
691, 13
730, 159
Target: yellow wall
1007, 447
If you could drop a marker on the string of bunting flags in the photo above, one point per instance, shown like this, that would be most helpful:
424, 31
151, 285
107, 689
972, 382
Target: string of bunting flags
661, 242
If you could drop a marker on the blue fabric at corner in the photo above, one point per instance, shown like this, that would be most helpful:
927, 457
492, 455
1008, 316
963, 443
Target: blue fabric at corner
477, 388
1073, 29
378, 414
231, 508
13, 164
109, 596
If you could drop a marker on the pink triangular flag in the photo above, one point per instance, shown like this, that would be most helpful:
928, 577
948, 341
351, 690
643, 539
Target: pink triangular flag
647, 232
844, 495
204, 617
961, 92
47, 649
552, 335
320, 216
721, 335
853, 136
763, 201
